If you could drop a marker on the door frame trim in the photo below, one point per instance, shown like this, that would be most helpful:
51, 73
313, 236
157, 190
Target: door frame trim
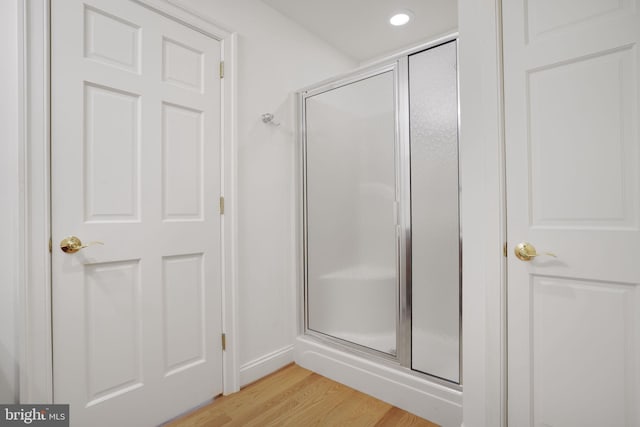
483, 213
34, 145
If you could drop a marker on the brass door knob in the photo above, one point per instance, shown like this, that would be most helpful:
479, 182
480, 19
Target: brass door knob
72, 244
526, 252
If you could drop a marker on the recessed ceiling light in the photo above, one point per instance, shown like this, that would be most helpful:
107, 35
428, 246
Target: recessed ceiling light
400, 18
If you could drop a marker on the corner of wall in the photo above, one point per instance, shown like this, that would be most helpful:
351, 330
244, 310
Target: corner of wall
263, 366
275, 57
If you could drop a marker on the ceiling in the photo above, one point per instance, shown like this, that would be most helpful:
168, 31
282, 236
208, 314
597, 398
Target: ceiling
361, 29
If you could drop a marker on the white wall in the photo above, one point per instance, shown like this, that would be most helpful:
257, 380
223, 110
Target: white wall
9, 200
275, 58
481, 179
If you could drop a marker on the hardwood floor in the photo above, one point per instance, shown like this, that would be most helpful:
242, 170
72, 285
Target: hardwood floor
297, 397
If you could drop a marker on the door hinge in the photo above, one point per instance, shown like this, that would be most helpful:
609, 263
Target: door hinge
221, 205
504, 250
224, 342
50, 245
222, 69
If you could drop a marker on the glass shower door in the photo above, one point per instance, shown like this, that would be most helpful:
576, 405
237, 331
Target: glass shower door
435, 230
351, 244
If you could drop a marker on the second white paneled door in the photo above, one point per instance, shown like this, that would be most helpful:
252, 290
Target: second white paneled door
573, 189
135, 165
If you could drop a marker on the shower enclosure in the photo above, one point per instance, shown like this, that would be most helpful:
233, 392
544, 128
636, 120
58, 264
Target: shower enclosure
381, 212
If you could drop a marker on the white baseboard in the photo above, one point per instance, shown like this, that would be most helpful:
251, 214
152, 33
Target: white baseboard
265, 365
429, 400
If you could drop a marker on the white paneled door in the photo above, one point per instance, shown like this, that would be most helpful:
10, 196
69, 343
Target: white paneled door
135, 108
573, 178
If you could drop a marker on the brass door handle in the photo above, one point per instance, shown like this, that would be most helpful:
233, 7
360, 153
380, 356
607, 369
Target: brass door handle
72, 244
526, 252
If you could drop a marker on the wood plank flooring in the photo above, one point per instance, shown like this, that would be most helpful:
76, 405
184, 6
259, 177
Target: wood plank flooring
296, 397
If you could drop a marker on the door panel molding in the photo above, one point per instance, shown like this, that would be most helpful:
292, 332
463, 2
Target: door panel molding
35, 342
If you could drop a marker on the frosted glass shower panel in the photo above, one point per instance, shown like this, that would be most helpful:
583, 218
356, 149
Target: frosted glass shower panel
350, 193
435, 265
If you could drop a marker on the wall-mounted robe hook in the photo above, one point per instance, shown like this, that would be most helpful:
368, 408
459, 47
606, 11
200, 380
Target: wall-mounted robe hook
268, 119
